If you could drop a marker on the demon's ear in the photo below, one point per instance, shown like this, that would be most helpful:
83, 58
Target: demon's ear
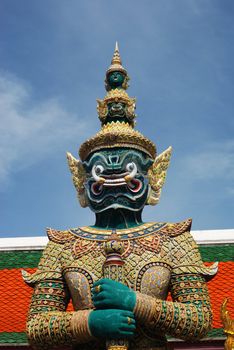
78, 177
157, 176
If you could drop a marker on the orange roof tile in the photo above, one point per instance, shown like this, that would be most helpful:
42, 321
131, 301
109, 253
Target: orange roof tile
220, 287
15, 303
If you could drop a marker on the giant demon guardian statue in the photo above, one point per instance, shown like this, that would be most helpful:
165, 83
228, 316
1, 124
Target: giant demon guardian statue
119, 272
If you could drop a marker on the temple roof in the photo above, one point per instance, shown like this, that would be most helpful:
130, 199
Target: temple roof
24, 253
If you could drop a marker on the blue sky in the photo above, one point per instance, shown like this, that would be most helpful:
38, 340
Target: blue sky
53, 58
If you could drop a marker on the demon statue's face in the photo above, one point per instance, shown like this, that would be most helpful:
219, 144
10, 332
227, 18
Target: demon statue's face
117, 109
115, 79
117, 178
119, 167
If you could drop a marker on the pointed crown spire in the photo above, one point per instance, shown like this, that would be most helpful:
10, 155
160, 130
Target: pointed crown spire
116, 62
116, 57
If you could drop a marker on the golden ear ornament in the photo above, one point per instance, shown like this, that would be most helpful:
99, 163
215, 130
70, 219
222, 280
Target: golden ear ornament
228, 326
78, 177
102, 110
157, 176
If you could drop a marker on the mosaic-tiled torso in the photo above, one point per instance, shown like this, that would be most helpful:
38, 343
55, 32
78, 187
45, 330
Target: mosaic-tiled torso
147, 267
147, 263
153, 252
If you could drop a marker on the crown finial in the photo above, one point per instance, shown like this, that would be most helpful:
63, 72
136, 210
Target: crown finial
116, 67
116, 57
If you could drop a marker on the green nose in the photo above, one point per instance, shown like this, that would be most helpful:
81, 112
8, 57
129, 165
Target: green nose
114, 162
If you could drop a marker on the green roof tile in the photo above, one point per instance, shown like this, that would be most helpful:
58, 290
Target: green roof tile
13, 338
217, 252
19, 259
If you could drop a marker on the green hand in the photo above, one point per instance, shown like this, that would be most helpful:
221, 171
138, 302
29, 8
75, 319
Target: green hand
112, 324
112, 294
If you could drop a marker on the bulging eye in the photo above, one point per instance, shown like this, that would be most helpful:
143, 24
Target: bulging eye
131, 166
99, 169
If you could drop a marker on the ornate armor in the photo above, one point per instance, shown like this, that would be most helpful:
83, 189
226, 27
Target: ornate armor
159, 258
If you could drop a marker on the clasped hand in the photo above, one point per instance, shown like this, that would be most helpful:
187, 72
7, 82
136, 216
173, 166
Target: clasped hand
109, 294
114, 303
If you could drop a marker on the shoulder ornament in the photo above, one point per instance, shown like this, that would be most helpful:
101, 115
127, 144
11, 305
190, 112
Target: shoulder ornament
187, 259
59, 237
176, 229
49, 267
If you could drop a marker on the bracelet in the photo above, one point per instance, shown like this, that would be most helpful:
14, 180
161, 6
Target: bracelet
80, 327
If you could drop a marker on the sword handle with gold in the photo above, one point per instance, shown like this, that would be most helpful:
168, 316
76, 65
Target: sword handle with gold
113, 269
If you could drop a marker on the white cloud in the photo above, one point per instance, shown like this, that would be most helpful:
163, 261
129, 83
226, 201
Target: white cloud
215, 162
30, 131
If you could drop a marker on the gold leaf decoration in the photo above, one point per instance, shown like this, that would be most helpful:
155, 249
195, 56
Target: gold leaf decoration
78, 177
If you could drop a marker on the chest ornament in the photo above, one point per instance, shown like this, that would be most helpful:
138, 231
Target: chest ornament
151, 243
83, 247
91, 233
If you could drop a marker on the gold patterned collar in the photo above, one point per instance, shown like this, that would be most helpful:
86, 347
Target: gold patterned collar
93, 233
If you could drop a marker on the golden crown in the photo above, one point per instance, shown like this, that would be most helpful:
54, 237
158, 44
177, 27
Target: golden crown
117, 133
116, 66
116, 62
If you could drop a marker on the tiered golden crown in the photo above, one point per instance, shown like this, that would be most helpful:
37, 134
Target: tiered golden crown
117, 133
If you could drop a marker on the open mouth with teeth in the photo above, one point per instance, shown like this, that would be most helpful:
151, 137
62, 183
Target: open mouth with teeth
134, 185
114, 180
